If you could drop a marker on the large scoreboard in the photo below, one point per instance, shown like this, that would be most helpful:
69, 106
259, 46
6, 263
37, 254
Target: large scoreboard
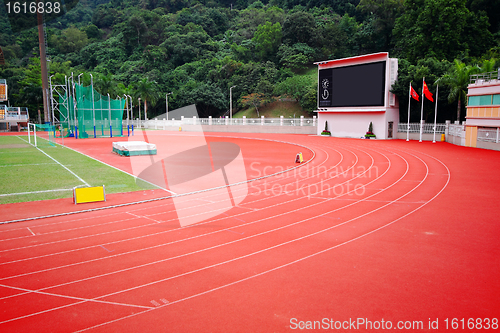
353, 86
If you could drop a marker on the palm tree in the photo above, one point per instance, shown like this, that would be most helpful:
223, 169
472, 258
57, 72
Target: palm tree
488, 65
457, 79
147, 90
105, 84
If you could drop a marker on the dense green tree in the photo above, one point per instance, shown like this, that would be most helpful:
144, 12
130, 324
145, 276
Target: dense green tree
71, 39
385, 13
296, 56
339, 38
267, 39
301, 88
457, 79
438, 28
432, 69
300, 27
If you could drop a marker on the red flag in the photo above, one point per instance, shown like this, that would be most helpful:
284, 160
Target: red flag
427, 93
414, 94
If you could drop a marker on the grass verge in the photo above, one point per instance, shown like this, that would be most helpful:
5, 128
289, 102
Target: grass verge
26, 169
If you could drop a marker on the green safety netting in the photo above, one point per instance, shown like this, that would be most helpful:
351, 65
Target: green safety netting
45, 135
95, 115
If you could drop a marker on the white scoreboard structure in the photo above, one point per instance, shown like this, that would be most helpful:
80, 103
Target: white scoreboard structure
352, 92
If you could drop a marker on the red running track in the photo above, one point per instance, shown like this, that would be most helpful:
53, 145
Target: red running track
368, 231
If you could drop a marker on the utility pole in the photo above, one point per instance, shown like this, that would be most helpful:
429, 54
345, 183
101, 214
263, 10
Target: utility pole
43, 64
231, 102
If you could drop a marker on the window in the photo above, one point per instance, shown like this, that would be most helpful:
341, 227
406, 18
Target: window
484, 100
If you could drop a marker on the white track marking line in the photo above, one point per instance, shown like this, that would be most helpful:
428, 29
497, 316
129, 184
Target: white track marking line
33, 192
21, 165
57, 162
74, 174
31, 231
81, 301
29, 291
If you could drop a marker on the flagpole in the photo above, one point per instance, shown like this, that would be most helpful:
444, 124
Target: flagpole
422, 112
408, 129
435, 113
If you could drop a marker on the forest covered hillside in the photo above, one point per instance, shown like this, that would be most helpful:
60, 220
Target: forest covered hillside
197, 50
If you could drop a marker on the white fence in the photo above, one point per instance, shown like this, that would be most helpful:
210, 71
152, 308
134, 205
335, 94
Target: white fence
163, 123
488, 134
13, 113
427, 129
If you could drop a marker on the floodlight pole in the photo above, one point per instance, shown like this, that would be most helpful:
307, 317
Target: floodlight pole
132, 112
71, 82
52, 100
126, 103
166, 102
93, 107
231, 102
109, 112
139, 112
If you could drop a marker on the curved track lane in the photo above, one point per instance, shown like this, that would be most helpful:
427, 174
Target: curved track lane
133, 269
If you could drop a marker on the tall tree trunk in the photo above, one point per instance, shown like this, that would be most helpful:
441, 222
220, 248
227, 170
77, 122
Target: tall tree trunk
458, 109
256, 109
145, 109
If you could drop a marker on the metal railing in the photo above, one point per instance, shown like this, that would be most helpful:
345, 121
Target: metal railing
161, 123
13, 113
488, 134
428, 128
485, 77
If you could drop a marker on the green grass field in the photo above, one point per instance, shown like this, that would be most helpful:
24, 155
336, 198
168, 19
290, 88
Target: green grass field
276, 109
25, 170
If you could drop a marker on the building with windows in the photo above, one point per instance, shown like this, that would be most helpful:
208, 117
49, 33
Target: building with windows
11, 117
483, 111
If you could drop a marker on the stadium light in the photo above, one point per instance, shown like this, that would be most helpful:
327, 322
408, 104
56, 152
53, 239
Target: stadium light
139, 99
166, 102
231, 102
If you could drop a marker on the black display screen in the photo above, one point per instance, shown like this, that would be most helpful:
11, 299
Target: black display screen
351, 86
